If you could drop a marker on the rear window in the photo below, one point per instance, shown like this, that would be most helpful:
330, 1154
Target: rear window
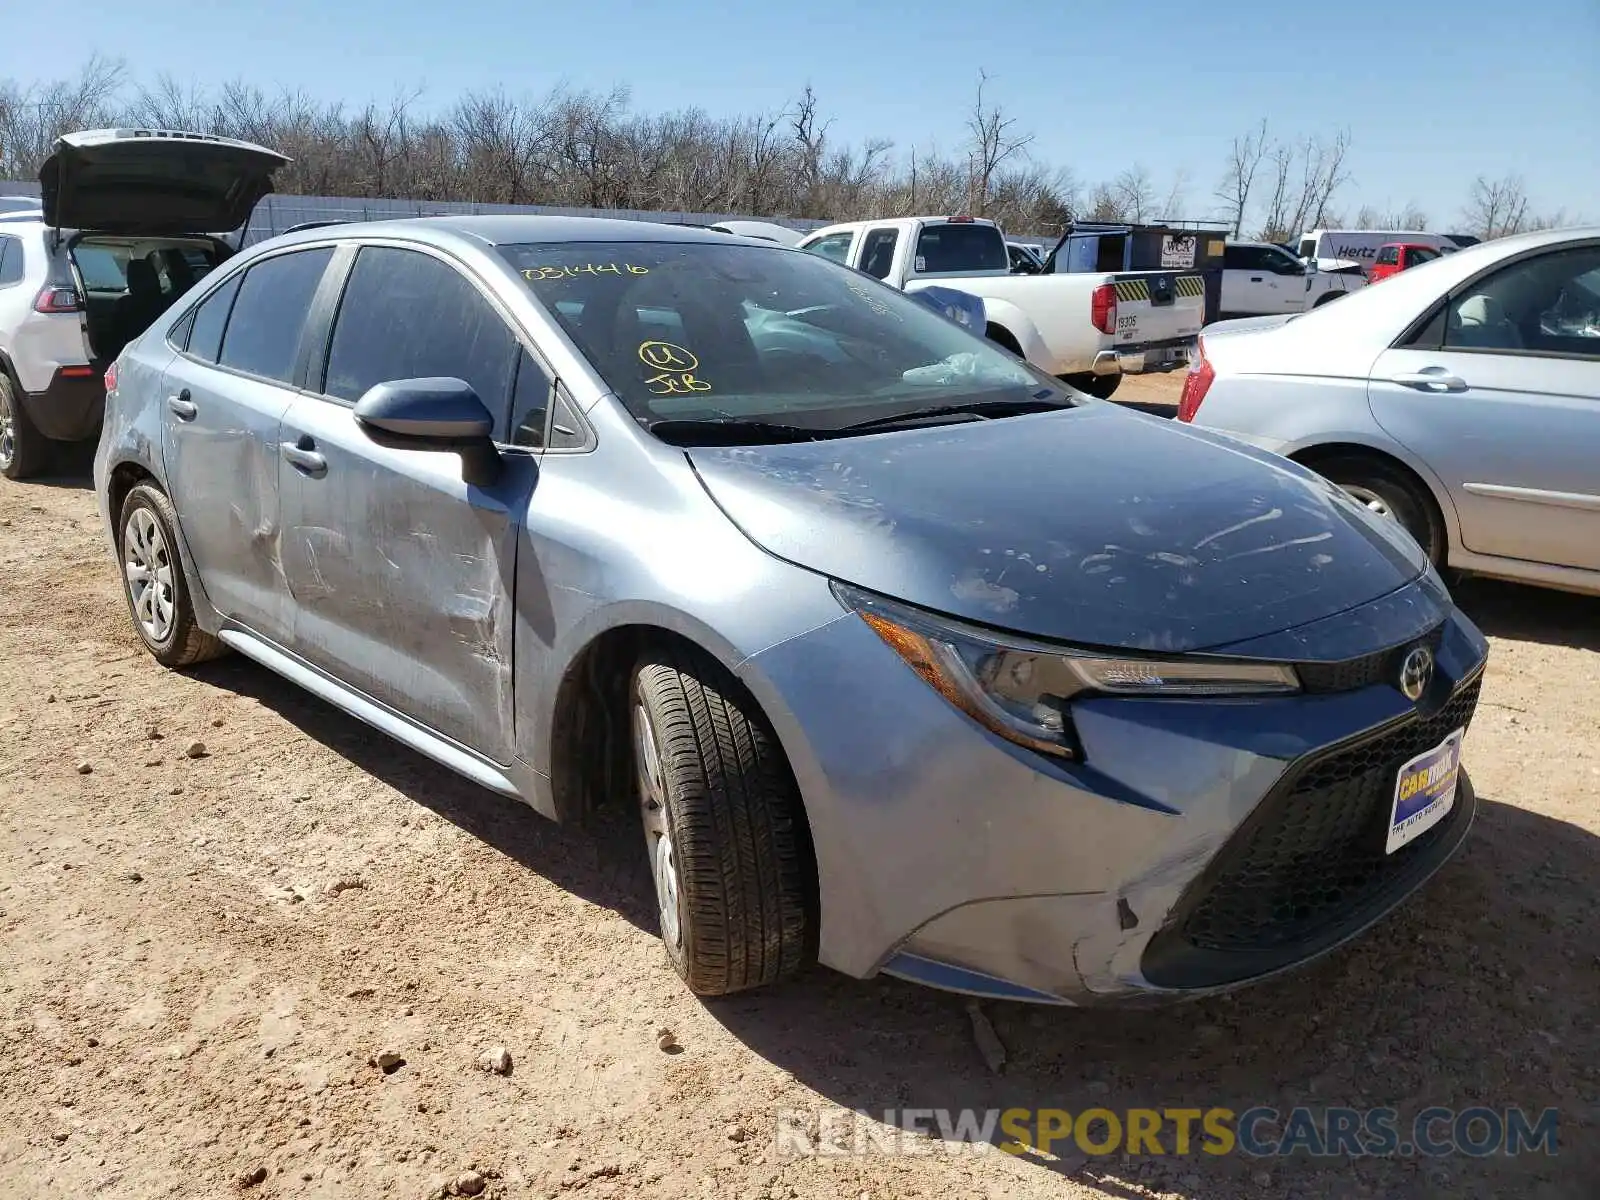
104, 268
942, 248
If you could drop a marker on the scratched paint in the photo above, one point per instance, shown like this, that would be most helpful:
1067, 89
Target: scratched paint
1007, 522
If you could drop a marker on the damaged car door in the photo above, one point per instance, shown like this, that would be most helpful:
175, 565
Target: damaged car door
223, 395
401, 572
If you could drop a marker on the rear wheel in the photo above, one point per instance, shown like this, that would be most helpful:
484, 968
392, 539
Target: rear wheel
1099, 386
1389, 492
724, 827
153, 581
24, 451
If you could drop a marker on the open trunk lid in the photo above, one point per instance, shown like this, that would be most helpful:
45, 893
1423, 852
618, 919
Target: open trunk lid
154, 181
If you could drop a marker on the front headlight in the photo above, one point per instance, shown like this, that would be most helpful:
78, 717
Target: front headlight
1021, 690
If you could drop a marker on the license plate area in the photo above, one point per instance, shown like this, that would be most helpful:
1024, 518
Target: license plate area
1424, 792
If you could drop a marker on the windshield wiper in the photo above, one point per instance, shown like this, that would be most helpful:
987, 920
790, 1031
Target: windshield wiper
731, 431
975, 408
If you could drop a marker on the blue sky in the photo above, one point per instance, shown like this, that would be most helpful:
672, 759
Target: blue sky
1433, 93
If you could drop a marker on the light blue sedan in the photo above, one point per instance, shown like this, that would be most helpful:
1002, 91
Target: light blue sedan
911, 658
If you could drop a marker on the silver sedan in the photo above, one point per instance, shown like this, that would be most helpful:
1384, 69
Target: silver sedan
1461, 398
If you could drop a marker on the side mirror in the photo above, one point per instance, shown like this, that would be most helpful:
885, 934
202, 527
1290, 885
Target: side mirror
433, 414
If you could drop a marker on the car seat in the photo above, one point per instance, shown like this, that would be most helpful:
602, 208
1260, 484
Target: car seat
135, 311
1481, 321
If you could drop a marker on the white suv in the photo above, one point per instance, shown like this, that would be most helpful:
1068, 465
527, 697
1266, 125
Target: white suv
127, 222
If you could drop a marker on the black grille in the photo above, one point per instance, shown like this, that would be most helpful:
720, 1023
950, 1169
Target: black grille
1353, 673
1309, 861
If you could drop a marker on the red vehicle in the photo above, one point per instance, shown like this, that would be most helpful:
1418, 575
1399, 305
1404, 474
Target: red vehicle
1396, 257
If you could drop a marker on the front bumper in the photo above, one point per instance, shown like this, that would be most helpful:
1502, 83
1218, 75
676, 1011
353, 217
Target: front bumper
70, 408
950, 857
1150, 358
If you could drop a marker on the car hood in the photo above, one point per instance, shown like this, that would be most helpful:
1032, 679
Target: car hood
154, 182
1090, 525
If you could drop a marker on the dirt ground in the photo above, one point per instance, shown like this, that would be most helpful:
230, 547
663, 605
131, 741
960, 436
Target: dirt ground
200, 955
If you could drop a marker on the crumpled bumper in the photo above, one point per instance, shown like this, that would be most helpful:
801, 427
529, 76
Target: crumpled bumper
948, 856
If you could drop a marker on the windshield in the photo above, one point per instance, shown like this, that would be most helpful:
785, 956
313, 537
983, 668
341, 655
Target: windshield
697, 331
943, 248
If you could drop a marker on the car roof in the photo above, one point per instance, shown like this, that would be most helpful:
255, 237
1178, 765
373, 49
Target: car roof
511, 229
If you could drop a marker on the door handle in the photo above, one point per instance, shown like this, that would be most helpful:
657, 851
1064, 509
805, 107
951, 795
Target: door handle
1432, 380
1255, 279
303, 457
182, 407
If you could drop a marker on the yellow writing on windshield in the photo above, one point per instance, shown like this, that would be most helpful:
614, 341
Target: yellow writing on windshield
668, 384
676, 367
664, 356
539, 274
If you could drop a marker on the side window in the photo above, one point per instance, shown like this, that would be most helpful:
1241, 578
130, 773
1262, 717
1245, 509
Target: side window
530, 403
835, 246
178, 335
1418, 255
1281, 262
566, 427
1388, 256
262, 336
1248, 258
205, 335
408, 315
10, 261
1549, 304
877, 252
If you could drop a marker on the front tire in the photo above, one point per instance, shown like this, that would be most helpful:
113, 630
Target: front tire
153, 581
1327, 298
24, 451
726, 833
1102, 387
1387, 492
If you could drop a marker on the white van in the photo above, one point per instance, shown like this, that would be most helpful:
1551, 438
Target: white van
1362, 245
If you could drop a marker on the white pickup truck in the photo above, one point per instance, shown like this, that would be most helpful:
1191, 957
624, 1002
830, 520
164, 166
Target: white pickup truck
1262, 279
1088, 329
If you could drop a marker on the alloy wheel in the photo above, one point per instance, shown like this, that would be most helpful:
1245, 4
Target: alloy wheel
1370, 500
8, 432
147, 567
657, 828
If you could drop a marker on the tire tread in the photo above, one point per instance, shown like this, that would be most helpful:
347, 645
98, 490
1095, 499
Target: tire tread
740, 843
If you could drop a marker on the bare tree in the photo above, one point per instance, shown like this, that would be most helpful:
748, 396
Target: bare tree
1134, 194
1303, 178
1244, 162
578, 148
32, 118
1496, 208
993, 140
1177, 194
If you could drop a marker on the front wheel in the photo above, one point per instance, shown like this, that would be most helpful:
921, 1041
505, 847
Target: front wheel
24, 451
1328, 298
1101, 387
153, 582
726, 834
1387, 492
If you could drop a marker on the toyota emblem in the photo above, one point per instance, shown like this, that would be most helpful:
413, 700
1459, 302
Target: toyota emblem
1416, 672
